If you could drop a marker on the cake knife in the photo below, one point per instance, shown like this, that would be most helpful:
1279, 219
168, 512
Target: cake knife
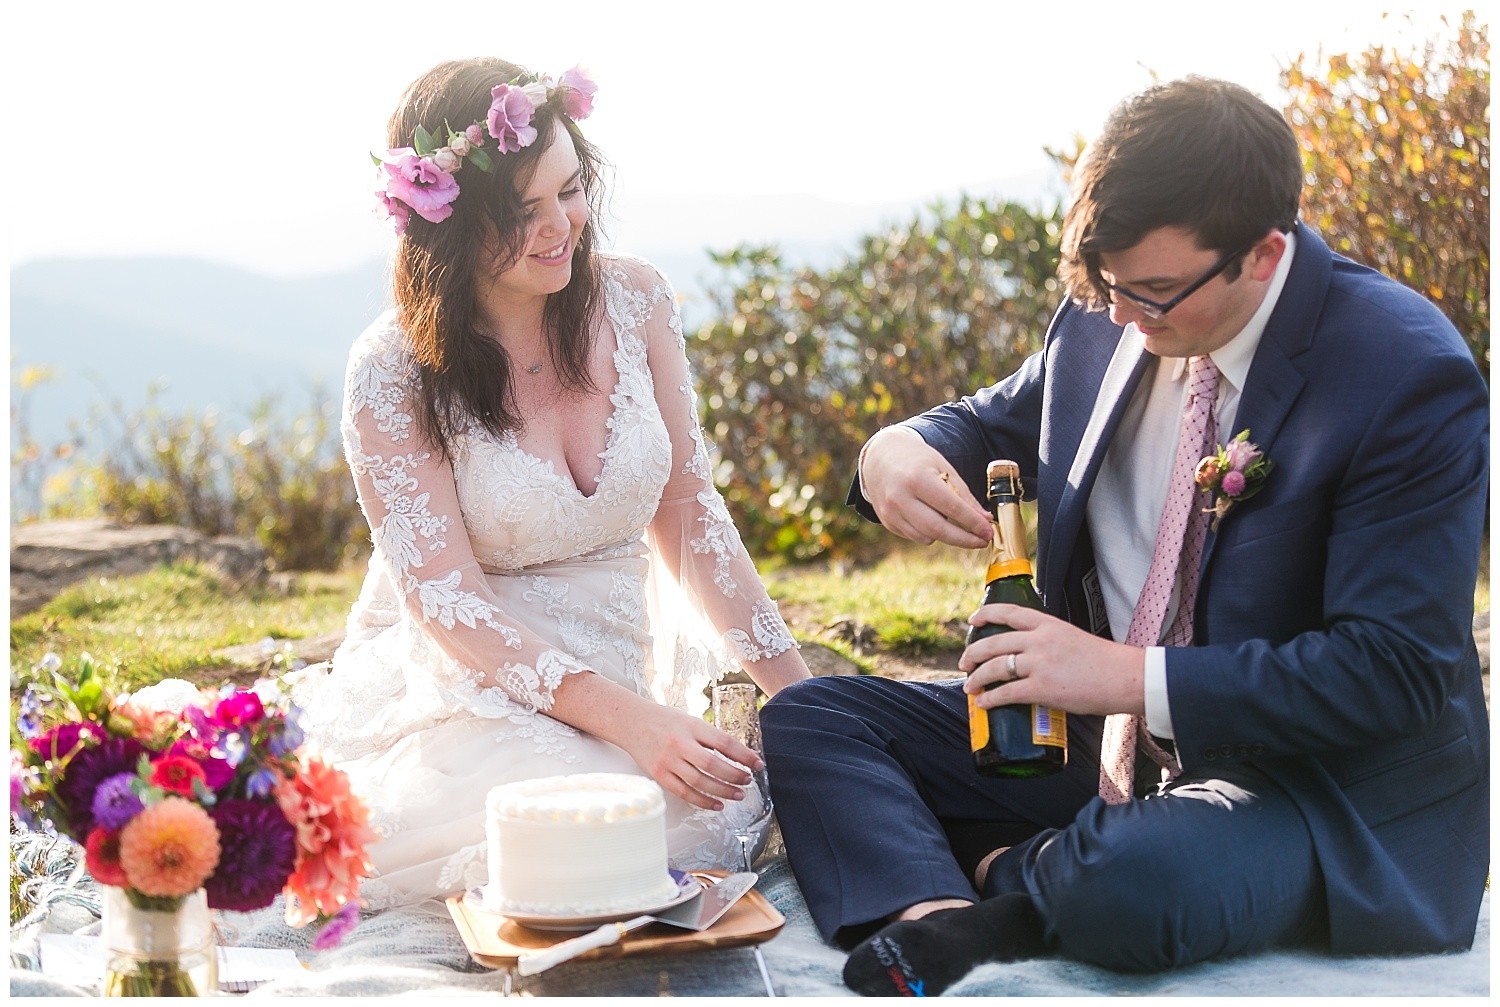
698, 913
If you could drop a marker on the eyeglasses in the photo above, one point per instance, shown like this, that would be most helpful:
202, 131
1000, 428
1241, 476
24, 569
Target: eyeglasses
1157, 309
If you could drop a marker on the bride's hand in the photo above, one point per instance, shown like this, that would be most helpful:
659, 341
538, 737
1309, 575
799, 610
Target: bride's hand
689, 758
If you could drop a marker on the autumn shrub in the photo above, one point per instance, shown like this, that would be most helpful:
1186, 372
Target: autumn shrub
1396, 145
799, 365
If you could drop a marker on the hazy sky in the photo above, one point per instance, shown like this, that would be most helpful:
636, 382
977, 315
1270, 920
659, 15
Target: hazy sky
239, 132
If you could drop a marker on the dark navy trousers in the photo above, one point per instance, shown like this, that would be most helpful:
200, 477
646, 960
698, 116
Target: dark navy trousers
872, 778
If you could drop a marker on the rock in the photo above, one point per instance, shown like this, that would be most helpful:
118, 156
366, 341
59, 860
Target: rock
310, 650
47, 556
822, 661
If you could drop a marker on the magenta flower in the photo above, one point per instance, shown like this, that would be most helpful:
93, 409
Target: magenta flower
62, 739
240, 709
339, 926
258, 849
510, 119
421, 185
1233, 484
577, 89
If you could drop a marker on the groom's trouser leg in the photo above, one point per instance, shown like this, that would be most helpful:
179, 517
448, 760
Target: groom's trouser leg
1211, 866
863, 773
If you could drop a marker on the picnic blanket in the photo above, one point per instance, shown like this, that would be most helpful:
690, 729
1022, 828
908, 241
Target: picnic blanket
418, 951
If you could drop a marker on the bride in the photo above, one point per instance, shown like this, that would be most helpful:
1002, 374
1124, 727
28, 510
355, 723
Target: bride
524, 441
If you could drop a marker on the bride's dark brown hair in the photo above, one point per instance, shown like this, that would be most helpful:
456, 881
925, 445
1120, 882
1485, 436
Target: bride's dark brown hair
465, 375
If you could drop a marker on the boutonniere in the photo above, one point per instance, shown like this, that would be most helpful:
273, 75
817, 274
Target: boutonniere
1236, 471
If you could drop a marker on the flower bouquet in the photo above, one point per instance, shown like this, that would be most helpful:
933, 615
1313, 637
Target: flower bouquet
187, 800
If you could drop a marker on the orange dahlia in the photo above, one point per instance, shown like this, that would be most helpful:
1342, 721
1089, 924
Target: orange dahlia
169, 849
332, 829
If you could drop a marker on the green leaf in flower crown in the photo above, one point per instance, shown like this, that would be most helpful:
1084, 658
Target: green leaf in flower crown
423, 140
376, 158
480, 159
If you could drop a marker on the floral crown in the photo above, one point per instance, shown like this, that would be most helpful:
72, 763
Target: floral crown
419, 179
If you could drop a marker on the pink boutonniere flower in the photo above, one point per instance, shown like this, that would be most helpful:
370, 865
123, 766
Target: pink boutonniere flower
1237, 471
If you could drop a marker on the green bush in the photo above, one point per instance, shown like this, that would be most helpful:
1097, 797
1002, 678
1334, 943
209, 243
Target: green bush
281, 481
800, 365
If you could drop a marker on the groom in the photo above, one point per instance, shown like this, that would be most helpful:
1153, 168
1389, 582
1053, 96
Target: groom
1278, 733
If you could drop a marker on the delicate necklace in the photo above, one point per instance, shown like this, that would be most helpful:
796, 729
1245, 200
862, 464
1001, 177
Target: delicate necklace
534, 369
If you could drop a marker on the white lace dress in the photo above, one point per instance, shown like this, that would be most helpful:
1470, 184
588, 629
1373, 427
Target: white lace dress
495, 577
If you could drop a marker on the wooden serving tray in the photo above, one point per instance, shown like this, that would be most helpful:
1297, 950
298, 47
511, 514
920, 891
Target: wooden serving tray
497, 942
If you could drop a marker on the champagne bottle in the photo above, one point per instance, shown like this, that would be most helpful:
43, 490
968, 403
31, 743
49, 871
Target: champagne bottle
1024, 740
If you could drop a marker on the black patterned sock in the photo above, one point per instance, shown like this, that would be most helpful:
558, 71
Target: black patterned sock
924, 957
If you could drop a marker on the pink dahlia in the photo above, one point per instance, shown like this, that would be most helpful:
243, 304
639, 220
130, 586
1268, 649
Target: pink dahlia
258, 850
239, 709
169, 849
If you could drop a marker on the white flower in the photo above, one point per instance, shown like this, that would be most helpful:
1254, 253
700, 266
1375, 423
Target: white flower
460, 145
536, 93
170, 695
446, 159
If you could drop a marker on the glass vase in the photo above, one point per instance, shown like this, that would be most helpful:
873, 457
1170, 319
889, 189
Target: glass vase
158, 947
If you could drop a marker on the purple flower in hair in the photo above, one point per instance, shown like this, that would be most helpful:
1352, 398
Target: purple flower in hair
421, 185
577, 89
510, 119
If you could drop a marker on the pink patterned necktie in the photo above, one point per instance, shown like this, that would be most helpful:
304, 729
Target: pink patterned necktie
1179, 546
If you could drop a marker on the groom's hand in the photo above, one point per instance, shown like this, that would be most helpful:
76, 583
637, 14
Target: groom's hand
917, 494
1056, 664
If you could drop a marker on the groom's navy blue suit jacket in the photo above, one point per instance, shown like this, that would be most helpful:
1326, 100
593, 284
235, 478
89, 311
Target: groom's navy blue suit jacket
1333, 640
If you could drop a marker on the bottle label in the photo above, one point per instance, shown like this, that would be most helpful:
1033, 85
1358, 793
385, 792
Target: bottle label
1048, 726
979, 726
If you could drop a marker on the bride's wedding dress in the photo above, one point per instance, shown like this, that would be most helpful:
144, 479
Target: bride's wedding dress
494, 577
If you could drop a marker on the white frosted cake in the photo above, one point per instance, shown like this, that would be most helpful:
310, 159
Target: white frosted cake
579, 845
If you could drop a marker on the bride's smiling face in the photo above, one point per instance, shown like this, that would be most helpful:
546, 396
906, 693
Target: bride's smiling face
558, 209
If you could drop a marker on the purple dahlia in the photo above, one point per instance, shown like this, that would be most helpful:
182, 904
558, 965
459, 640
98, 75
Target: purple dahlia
86, 770
258, 849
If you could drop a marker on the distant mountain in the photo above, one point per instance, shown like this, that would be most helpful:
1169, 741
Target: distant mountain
209, 334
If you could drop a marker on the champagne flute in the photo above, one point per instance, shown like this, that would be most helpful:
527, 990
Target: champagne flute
735, 713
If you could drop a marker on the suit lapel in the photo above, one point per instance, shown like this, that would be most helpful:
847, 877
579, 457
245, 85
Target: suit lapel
1276, 379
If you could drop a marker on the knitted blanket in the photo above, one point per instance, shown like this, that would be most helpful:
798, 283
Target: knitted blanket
418, 950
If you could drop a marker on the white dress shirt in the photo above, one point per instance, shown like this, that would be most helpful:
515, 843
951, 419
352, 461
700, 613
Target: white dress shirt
1125, 507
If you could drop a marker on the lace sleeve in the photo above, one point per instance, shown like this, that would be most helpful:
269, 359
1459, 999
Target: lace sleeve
408, 495
692, 530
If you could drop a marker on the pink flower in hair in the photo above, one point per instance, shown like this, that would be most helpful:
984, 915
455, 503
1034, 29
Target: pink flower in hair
424, 187
475, 133
577, 89
510, 118
397, 212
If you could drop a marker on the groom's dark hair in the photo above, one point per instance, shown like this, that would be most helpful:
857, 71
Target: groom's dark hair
1204, 155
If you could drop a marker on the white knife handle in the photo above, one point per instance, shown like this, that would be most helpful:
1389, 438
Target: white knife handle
532, 962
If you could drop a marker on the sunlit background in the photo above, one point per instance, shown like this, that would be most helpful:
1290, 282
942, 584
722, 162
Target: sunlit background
191, 212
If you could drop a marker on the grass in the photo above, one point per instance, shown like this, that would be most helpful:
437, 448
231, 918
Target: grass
170, 622
913, 601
